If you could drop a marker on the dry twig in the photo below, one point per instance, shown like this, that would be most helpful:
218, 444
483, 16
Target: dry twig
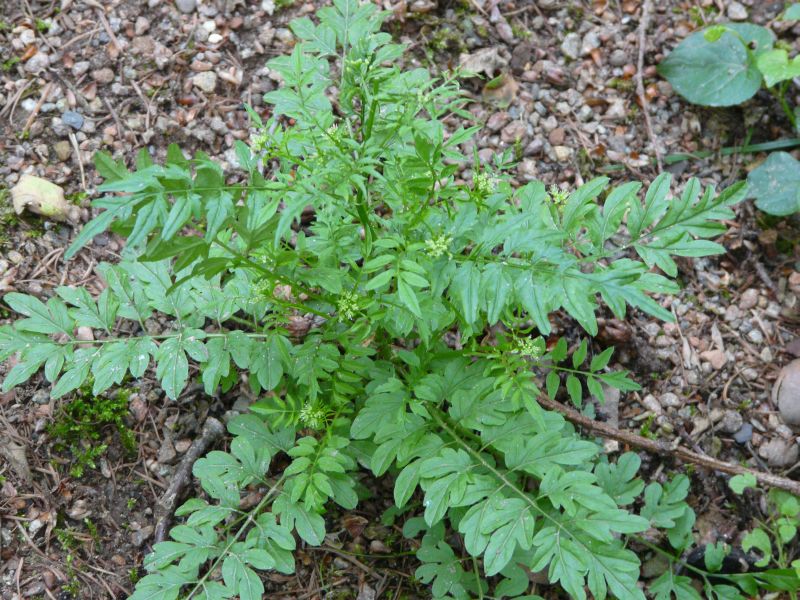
643, 23
663, 448
212, 429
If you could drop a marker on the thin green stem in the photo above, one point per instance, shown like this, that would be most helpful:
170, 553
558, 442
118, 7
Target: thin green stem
251, 517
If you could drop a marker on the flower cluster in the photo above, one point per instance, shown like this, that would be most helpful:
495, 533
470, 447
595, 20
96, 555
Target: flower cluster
347, 305
312, 416
260, 142
438, 246
483, 183
533, 347
262, 289
558, 196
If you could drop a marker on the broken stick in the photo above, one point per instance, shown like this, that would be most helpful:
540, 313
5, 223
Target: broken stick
212, 429
660, 447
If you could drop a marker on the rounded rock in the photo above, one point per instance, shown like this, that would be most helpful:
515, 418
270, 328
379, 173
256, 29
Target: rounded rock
186, 6
73, 119
786, 393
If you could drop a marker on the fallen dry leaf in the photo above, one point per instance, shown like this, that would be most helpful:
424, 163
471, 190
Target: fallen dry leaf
42, 197
485, 60
501, 90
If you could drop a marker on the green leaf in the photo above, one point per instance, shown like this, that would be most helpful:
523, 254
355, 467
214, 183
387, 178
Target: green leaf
575, 390
759, 540
580, 354
465, 289
78, 372
717, 73
775, 66
739, 483
172, 367
238, 576
792, 13
669, 585
775, 184
714, 555
108, 168
52, 317
408, 297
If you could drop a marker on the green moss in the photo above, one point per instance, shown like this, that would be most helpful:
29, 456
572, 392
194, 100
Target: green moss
520, 32
79, 426
621, 84
9, 63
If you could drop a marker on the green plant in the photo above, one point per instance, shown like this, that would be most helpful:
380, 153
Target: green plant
80, 424
775, 535
724, 65
9, 63
399, 328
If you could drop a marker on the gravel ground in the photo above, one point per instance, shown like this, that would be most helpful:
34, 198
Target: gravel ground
126, 75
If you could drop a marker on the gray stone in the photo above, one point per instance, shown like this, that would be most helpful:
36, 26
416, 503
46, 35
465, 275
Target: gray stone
140, 537
571, 46
744, 435
37, 63
748, 299
651, 404
141, 26
618, 58
527, 170
166, 453
755, 336
562, 153
786, 393
670, 400
73, 119
737, 12
104, 75
779, 452
591, 41
731, 421
41, 397
616, 110
206, 81
186, 6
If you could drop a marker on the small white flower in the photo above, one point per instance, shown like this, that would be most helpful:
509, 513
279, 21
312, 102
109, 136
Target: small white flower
347, 305
439, 246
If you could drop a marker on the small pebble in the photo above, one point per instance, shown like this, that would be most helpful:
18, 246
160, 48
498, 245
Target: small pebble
737, 12
206, 81
63, 150
186, 6
670, 400
779, 452
755, 336
73, 119
140, 537
571, 46
744, 435
731, 421
104, 75
749, 299
618, 58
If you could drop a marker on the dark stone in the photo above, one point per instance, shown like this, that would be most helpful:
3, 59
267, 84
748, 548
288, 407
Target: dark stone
744, 435
73, 119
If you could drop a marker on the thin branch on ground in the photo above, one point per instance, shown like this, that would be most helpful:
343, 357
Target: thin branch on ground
666, 449
212, 430
643, 23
